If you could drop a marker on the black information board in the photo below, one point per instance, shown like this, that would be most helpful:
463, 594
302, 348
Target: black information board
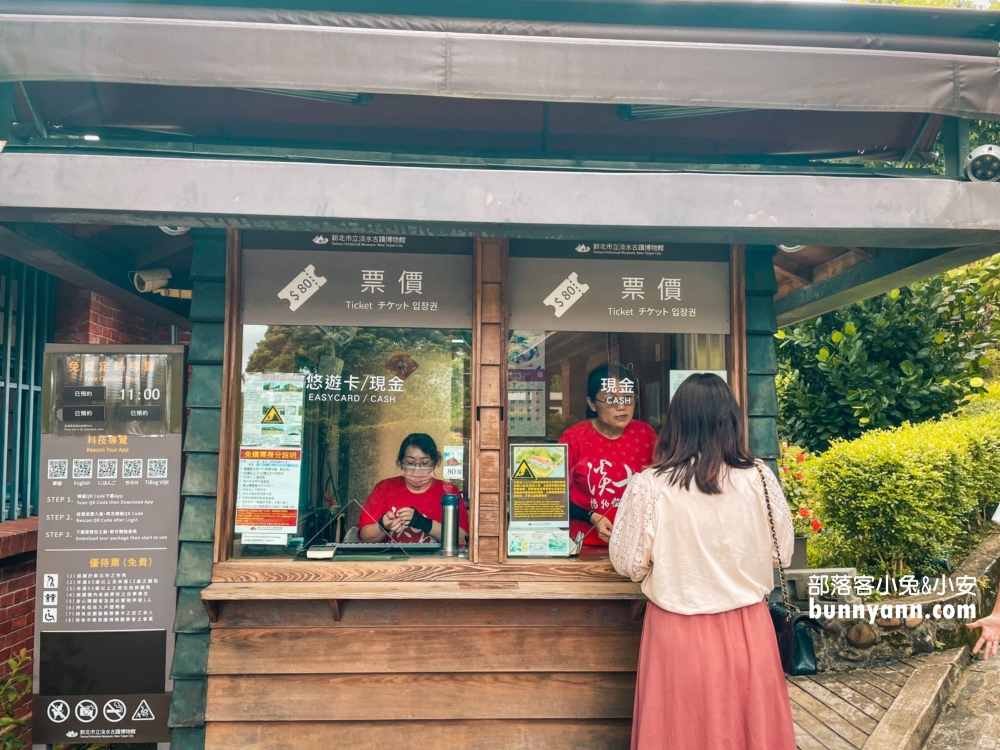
108, 515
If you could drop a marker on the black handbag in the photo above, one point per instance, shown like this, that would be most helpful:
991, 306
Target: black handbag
793, 628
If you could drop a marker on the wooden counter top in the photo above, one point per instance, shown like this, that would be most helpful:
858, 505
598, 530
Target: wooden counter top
591, 567
424, 590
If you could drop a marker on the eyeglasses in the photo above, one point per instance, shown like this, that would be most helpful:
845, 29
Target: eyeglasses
422, 466
617, 401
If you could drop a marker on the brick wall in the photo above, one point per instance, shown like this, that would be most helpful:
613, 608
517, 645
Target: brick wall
86, 317
18, 540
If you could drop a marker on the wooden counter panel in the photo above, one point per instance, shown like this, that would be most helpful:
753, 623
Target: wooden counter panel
397, 650
612, 734
529, 695
418, 613
248, 571
437, 590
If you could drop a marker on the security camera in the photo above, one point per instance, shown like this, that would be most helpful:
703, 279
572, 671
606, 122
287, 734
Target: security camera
150, 279
983, 164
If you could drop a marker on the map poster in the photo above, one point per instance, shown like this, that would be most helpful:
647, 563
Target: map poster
272, 410
539, 500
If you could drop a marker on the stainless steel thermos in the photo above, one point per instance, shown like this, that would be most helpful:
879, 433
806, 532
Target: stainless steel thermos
449, 525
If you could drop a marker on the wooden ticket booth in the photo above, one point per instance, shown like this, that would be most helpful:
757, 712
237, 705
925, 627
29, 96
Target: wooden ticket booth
370, 211
486, 649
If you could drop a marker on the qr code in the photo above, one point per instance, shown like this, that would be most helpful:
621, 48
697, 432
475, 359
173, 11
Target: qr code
83, 468
107, 468
156, 468
58, 468
132, 468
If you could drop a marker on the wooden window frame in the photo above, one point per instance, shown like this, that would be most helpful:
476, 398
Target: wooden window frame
487, 564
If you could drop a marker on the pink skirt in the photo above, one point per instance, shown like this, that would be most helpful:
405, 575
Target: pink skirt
711, 682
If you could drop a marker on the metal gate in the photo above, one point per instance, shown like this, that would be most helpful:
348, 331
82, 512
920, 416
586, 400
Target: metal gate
27, 320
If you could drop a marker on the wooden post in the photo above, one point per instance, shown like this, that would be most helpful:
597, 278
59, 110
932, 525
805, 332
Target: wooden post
489, 400
225, 500
738, 327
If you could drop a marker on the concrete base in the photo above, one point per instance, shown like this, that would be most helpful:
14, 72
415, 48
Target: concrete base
909, 721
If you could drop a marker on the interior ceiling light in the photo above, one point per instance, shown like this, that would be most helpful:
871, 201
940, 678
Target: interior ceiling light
91, 137
983, 164
175, 231
661, 112
790, 248
339, 97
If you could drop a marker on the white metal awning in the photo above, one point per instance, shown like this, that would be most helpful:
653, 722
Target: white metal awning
138, 46
788, 209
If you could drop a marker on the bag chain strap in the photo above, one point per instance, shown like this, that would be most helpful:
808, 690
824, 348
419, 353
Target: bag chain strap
785, 599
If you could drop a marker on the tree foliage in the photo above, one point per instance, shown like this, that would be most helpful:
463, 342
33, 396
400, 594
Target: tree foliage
906, 356
908, 500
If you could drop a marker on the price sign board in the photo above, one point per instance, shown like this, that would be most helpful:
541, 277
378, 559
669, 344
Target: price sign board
108, 514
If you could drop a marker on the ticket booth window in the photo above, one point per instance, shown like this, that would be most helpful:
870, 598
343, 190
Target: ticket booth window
601, 336
327, 403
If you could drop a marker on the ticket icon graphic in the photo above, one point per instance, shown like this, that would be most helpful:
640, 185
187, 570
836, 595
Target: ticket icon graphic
302, 287
564, 296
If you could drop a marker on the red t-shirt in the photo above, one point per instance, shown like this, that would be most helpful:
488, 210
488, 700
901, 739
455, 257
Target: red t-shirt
393, 494
601, 468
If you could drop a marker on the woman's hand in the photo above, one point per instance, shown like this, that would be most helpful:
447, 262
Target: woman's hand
990, 637
396, 522
603, 526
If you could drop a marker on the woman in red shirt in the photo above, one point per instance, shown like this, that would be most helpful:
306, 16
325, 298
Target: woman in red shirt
407, 508
605, 452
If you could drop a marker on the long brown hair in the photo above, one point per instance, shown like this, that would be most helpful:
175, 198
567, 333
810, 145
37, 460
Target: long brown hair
702, 435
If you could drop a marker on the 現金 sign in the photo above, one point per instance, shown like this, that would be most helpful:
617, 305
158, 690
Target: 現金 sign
109, 507
539, 500
370, 280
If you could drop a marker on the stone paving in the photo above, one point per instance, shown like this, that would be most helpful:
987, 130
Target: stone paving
971, 718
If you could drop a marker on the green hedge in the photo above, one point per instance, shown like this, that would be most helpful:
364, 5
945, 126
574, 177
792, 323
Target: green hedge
907, 499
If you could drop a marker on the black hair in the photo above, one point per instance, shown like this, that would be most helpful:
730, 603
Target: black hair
702, 434
423, 442
602, 372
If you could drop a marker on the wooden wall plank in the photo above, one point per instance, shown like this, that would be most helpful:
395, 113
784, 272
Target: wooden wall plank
489, 514
229, 436
419, 613
492, 310
492, 346
738, 327
489, 549
446, 649
387, 697
490, 435
493, 252
489, 471
489, 385
614, 734
489, 396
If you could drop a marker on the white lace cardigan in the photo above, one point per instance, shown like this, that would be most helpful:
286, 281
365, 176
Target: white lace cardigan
696, 553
